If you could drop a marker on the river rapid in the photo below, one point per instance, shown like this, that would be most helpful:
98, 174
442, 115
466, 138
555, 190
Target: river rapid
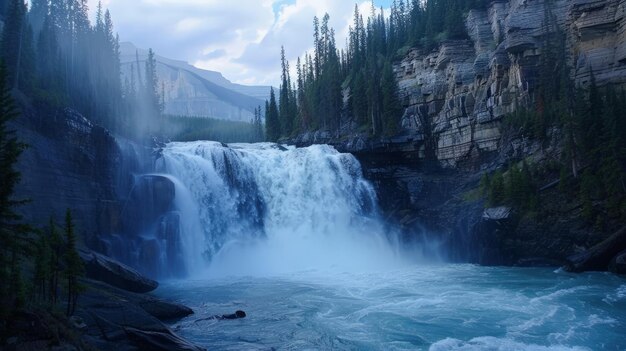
294, 237
425, 307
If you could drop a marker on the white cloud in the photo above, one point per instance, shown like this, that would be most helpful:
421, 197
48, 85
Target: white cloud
239, 38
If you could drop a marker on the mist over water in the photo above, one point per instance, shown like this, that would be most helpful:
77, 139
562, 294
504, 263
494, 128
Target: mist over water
294, 238
421, 307
264, 210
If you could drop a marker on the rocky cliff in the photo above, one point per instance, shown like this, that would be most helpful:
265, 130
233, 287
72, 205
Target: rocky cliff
119, 208
456, 96
456, 99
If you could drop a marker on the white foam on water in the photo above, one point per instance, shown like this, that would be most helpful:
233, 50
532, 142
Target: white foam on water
488, 343
264, 210
618, 295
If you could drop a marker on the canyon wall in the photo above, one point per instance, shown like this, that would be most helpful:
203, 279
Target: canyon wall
457, 95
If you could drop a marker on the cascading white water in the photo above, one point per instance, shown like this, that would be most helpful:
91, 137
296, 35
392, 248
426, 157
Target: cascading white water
300, 224
263, 209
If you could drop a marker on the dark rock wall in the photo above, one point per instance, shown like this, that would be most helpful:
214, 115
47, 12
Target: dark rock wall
69, 163
119, 211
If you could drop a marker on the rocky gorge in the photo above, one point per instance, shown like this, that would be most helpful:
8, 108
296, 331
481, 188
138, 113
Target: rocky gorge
455, 100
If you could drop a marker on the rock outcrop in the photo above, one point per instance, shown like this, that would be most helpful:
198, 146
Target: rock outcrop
128, 321
70, 163
457, 95
601, 256
456, 98
106, 318
120, 209
104, 269
618, 264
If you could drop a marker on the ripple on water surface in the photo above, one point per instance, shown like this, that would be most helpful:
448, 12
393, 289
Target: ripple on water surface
447, 307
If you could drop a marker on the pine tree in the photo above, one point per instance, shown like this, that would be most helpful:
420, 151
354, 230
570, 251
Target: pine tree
56, 257
13, 39
12, 231
272, 122
74, 267
285, 116
38, 13
152, 84
43, 271
392, 110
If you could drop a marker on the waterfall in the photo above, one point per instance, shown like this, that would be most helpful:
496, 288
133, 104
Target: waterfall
266, 209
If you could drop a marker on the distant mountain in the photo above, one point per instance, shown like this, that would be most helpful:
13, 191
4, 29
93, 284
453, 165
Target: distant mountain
190, 91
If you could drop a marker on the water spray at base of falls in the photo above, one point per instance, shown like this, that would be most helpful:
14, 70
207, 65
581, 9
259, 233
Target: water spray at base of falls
264, 209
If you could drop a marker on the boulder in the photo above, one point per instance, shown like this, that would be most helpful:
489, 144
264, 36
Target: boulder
152, 196
148, 340
600, 256
162, 310
107, 270
618, 264
121, 320
497, 213
158, 308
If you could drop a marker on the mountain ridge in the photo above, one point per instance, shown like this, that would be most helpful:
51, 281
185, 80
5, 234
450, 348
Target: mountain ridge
191, 91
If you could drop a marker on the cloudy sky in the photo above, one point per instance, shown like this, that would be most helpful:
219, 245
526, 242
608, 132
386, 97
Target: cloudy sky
240, 38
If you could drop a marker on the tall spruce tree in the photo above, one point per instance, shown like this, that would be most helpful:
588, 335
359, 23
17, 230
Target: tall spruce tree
13, 232
12, 41
272, 122
38, 13
152, 84
284, 102
392, 109
74, 267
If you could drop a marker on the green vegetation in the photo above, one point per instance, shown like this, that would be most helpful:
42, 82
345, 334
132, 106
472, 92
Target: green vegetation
14, 233
516, 187
180, 128
315, 101
589, 122
74, 267
22, 253
57, 58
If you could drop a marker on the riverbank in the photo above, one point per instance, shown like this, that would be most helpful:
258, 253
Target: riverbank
116, 311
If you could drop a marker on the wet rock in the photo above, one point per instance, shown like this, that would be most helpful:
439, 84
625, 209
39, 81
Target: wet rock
618, 264
70, 163
600, 256
151, 198
77, 323
127, 321
497, 213
148, 340
158, 308
164, 311
150, 257
105, 269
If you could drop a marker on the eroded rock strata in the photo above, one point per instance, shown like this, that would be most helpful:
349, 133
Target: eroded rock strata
456, 98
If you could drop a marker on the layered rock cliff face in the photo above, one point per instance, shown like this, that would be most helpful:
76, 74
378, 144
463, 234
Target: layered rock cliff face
119, 208
456, 97
69, 164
